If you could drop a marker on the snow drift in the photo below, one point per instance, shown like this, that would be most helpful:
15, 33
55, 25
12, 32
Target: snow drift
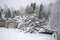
15, 34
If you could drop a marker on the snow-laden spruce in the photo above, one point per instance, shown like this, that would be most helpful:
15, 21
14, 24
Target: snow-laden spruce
32, 24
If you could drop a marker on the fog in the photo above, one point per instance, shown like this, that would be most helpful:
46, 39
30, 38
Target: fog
22, 3
54, 9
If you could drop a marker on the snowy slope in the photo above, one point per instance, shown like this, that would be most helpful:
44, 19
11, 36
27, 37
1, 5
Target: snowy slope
15, 34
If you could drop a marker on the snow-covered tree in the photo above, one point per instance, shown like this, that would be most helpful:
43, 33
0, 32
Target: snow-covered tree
0, 14
8, 14
30, 9
43, 16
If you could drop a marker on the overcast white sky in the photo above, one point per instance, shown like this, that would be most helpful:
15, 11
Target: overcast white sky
19, 3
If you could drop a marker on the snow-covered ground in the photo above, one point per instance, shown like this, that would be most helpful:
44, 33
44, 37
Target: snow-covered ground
15, 34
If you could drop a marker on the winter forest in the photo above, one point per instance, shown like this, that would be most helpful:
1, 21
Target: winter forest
33, 18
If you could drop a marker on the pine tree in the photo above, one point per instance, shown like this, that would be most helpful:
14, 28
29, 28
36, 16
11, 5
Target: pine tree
33, 5
8, 14
13, 14
29, 10
43, 16
0, 14
17, 13
40, 12
26, 10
